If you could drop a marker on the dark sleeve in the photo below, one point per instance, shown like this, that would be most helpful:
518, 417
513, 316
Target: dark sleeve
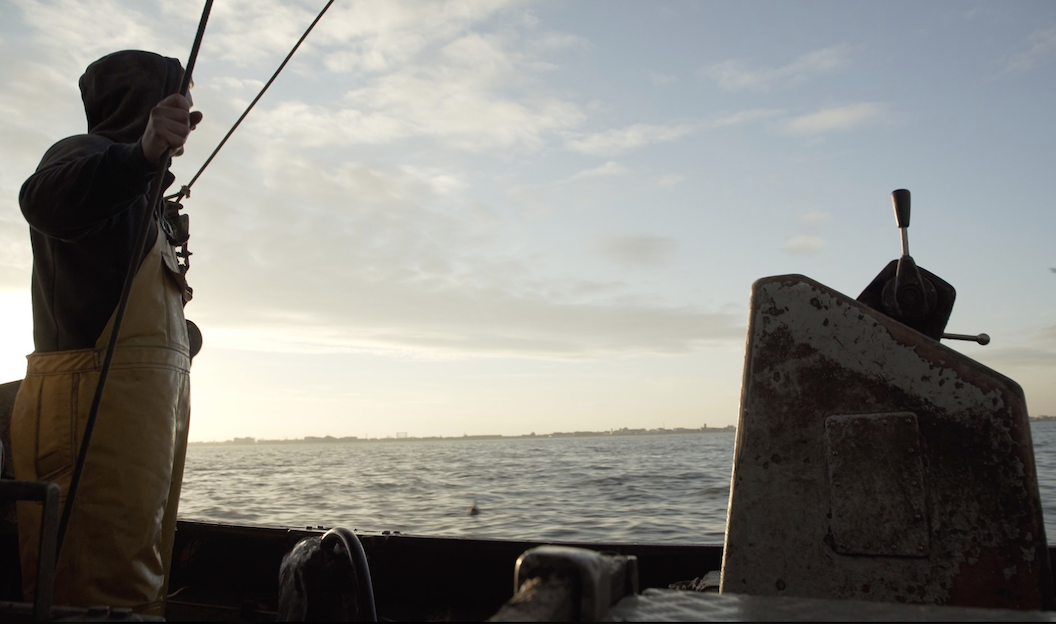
82, 182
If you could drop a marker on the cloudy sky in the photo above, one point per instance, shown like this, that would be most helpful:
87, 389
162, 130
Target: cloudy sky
502, 217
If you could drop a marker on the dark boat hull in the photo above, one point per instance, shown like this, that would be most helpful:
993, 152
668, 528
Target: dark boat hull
231, 573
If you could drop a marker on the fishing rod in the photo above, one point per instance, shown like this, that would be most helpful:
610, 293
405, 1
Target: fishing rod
185, 190
172, 202
138, 250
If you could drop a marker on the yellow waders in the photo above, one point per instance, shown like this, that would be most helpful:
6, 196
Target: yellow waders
118, 544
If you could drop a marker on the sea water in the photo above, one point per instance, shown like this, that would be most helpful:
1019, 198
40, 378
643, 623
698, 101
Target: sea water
648, 488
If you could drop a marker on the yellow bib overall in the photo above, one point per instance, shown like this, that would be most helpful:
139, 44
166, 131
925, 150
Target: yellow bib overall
119, 540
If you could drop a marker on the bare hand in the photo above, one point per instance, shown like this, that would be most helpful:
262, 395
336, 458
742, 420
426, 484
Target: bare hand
171, 121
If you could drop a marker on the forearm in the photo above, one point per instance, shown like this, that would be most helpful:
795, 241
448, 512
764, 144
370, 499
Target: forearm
81, 183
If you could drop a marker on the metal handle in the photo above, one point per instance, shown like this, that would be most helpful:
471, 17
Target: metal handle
900, 200
982, 339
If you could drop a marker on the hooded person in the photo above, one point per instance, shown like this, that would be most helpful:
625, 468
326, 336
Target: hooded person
85, 206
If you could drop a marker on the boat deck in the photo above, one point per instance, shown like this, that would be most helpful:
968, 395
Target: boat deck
669, 605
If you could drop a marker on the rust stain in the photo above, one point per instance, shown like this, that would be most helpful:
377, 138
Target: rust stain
813, 353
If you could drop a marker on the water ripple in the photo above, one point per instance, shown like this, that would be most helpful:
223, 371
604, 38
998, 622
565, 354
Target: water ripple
670, 488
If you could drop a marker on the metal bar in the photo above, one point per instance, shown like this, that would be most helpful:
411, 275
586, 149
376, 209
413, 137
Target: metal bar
982, 339
358, 558
48, 493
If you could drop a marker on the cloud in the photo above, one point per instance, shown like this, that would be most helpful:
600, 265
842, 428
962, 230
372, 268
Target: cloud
1041, 46
807, 245
425, 71
256, 33
1047, 336
359, 37
229, 84
43, 108
459, 325
616, 141
551, 41
397, 293
659, 79
736, 75
16, 255
470, 96
529, 200
394, 260
610, 168
15, 250
311, 236
669, 180
620, 140
81, 32
1019, 357
639, 251
803, 245
815, 217
530, 20
742, 117
837, 119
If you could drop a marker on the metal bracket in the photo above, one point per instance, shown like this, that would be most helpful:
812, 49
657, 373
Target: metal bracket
604, 578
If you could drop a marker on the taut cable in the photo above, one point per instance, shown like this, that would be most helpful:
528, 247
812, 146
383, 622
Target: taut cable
185, 190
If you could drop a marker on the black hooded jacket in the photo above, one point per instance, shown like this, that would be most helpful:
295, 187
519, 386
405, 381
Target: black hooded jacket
88, 198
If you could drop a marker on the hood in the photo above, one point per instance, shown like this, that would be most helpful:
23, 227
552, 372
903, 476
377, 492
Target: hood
120, 89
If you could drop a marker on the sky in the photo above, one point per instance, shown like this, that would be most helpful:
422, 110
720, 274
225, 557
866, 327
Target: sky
503, 217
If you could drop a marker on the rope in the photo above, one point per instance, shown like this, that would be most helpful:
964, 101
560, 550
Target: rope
185, 190
122, 304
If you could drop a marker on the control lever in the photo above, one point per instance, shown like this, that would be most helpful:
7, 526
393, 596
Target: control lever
907, 293
900, 201
983, 339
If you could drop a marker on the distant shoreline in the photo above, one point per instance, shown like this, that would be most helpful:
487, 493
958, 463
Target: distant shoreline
614, 433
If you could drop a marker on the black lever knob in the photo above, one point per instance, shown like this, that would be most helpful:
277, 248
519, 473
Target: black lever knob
900, 200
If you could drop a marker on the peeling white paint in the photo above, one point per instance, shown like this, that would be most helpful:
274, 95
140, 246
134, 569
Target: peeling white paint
889, 360
778, 509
